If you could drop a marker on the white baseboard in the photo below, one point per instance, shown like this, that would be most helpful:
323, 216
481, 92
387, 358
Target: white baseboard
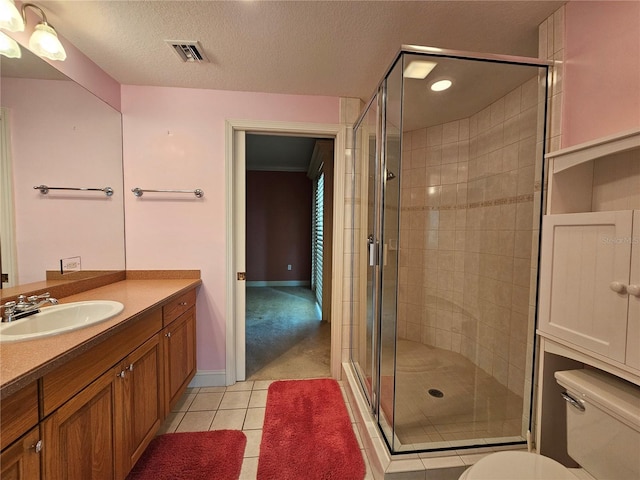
279, 283
209, 378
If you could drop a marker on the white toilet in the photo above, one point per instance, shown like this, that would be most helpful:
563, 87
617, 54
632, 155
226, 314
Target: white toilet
603, 435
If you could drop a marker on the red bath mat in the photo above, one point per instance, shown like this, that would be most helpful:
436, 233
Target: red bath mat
214, 455
307, 434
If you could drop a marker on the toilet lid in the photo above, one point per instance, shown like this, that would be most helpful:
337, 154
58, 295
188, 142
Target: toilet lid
518, 465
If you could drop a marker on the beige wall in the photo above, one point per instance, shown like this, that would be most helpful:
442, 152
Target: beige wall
466, 234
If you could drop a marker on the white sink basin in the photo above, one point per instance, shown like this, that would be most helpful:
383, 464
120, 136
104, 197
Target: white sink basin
58, 319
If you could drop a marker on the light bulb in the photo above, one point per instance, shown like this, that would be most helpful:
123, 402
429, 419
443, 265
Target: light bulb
9, 47
441, 85
44, 42
10, 18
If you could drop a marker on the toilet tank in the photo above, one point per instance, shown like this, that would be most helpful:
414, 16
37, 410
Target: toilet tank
604, 438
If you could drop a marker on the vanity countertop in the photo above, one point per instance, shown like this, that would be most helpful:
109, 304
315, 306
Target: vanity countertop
23, 362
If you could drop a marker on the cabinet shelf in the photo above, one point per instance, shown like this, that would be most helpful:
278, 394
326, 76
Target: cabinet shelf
589, 151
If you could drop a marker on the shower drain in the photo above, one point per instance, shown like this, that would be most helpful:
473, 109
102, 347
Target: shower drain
434, 392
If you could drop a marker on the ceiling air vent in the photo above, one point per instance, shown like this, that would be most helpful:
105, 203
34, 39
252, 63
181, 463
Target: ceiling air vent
188, 51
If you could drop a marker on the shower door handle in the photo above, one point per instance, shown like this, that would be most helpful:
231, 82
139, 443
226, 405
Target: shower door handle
372, 245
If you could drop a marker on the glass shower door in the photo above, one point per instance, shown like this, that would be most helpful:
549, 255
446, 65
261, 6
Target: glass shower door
390, 243
364, 353
377, 140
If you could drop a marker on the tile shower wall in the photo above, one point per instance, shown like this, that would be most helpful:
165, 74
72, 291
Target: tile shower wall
466, 231
350, 109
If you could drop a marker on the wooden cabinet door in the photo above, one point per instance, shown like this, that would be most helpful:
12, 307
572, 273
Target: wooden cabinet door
140, 386
180, 356
633, 333
79, 437
21, 461
582, 255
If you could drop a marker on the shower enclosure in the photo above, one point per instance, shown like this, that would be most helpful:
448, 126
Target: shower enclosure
446, 216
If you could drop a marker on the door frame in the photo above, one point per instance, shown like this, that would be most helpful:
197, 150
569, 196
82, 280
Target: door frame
235, 184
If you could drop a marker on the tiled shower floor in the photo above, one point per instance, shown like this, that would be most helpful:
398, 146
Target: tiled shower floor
475, 406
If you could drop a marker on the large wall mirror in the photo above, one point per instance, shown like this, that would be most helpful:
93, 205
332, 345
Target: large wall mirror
56, 133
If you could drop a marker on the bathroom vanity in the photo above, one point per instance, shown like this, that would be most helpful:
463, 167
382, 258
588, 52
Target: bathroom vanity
589, 307
86, 404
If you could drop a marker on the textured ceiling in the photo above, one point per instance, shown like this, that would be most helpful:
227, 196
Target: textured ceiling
335, 48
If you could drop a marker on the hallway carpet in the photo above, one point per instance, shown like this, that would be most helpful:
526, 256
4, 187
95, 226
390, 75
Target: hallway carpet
285, 337
214, 455
307, 434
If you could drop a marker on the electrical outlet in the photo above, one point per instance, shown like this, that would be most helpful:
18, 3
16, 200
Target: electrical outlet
71, 264
288, 267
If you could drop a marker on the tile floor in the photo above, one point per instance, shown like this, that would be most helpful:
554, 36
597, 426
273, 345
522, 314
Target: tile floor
239, 407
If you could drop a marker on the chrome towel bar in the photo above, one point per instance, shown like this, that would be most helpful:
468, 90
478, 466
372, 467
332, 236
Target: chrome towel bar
44, 189
139, 191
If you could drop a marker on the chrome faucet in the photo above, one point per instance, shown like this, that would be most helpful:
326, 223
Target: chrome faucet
26, 306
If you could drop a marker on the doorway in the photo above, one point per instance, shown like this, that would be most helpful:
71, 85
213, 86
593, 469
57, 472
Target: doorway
288, 269
237, 132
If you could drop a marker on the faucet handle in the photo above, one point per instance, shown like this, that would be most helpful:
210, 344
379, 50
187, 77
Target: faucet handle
42, 296
9, 311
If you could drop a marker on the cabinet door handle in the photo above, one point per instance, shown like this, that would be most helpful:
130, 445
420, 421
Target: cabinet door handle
183, 304
168, 334
121, 374
130, 368
37, 446
634, 290
617, 287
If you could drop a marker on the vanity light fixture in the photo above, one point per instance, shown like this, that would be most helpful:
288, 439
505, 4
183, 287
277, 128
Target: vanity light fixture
44, 39
10, 18
441, 85
9, 47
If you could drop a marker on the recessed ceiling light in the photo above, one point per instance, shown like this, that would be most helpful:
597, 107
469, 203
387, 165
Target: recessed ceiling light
441, 85
418, 69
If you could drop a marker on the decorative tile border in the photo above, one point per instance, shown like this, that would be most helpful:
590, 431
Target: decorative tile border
468, 206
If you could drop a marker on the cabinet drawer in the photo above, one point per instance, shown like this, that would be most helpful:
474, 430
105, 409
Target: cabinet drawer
67, 380
178, 306
19, 412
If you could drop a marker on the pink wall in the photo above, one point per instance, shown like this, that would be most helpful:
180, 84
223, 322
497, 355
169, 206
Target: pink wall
77, 66
175, 138
602, 70
62, 136
278, 226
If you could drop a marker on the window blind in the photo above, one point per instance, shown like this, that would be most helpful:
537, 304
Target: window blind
317, 238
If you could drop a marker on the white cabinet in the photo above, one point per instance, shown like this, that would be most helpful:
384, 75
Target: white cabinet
590, 287
589, 291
